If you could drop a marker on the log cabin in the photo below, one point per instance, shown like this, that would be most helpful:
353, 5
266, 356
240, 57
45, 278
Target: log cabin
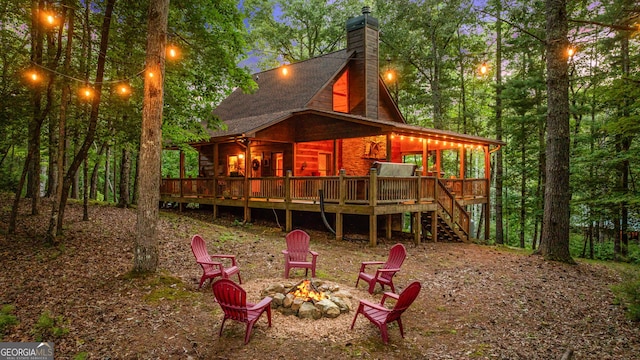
325, 137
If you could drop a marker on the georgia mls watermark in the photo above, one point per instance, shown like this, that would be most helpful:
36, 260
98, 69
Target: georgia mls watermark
26, 351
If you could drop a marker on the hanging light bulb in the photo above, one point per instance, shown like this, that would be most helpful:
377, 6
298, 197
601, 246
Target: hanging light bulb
390, 75
285, 70
33, 76
172, 52
484, 68
86, 92
124, 89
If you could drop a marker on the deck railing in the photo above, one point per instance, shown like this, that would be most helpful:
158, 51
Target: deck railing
337, 189
367, 190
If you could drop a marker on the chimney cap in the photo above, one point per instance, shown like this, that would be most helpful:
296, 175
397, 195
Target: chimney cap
362, 20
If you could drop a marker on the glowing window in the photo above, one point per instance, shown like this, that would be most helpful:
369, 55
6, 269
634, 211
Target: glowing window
341, 93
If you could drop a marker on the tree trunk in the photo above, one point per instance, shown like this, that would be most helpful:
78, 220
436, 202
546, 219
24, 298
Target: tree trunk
554, 244
85, 187
523, 183
125, 176
93, 191
145, 257
107, 172
95, 107
499, 130
61, 138
625, 146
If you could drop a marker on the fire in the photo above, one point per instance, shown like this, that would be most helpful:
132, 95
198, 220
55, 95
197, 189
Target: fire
305, 291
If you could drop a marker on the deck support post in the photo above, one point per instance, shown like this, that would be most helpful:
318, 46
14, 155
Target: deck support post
342, 195
373, 230
373, 202
288, 222
417, 220
487, 205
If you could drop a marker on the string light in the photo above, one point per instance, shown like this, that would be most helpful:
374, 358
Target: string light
483, 69
86, 92
172, 52
124, 89
33, 76
571, 50
49, 18
285, 70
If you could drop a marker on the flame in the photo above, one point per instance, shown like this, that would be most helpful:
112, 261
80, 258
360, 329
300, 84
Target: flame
305, 292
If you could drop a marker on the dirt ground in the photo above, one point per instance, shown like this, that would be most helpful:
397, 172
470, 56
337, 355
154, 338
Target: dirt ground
477, 302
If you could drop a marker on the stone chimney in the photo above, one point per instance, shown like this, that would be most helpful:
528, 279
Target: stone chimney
362, 37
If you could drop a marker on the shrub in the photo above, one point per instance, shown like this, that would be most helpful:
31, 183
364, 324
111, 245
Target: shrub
6, 318
49, 327
628, 294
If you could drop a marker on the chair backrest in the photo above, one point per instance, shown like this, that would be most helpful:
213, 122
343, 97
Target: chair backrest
405, 299
298, 245
397, 254
199, 248
232, 299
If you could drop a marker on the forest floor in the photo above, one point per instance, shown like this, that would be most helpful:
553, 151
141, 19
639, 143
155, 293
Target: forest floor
477, 301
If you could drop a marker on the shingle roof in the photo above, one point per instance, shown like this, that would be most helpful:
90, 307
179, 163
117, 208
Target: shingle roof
277, 93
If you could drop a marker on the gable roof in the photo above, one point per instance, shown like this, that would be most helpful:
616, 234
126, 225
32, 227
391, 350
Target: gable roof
278, 93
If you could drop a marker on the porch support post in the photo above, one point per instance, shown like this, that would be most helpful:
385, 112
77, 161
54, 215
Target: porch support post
416, 228
434, 214
425, 157
342, 194
334, 166
487, 207
389, 147
247, 183
438, 154
463, 154
287, 201
373, 202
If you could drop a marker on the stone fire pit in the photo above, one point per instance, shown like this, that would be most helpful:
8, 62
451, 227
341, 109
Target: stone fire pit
309, 299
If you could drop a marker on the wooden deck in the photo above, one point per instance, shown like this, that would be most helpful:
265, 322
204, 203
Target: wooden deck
361, 195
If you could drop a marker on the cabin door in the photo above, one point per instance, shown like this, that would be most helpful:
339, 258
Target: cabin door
324, 164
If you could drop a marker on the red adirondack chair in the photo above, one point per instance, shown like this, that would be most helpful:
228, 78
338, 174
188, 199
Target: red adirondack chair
296, 254
233, 301
381, 316
384, 274
210, 268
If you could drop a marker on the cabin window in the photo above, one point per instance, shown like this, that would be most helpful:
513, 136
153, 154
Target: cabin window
236, 165
341, 93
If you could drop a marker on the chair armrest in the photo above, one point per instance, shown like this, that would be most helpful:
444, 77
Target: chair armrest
367, 263
286, 252
204, 262
263, 303
313, 253
378, 271
223, 256
372, 305
389, 295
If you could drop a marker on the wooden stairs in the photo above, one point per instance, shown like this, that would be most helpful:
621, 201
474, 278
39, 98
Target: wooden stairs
452, 223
